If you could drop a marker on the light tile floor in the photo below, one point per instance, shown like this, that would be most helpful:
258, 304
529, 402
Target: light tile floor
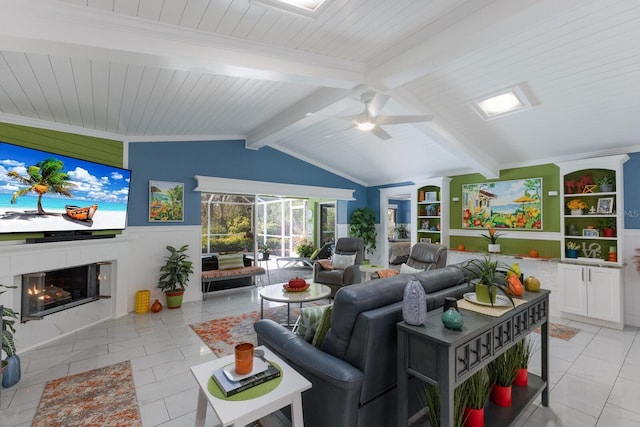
595, 377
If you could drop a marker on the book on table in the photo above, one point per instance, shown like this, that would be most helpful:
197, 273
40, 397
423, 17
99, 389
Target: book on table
262, 373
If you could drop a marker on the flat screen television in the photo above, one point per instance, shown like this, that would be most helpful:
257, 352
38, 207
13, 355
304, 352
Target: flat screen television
42, 192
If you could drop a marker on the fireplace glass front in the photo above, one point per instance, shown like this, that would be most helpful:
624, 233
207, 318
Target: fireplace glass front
48, 292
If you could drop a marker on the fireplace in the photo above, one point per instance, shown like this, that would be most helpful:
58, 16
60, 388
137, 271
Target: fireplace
48, 292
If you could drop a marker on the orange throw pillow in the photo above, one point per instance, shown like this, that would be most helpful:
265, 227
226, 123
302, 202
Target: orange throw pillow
387, 272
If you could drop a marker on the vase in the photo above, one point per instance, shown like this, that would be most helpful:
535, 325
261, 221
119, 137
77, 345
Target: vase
609, 232
494, 248
482, 293
473, 417
12, 372
576, 211
572, 253
522, 377
606, 188
500, 395
452, 319
414, 303
156, 307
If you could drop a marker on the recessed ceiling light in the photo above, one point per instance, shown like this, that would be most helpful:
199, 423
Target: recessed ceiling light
503, 103
308, 8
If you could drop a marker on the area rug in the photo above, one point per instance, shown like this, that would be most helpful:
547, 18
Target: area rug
563, 332
100, 397
221, 335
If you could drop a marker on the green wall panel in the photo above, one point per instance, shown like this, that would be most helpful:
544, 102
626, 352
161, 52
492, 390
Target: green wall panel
100, 150
550, 175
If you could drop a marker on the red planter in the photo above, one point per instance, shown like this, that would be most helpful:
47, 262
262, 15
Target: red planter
522, 378
609, 232
473, 417
501, 396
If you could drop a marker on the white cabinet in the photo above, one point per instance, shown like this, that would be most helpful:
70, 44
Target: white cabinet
591, 294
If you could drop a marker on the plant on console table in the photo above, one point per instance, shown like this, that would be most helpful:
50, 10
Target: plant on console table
502, 371
174, 275
476, 389
492, 237
488, 277
10, 371
576, 206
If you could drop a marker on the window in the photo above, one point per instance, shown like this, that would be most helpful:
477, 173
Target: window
327, 223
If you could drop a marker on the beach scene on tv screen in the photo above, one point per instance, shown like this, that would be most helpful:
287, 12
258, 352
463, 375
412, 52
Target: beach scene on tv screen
41, 191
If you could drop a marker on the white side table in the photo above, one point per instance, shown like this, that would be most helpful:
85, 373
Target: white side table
241, 413
368, 270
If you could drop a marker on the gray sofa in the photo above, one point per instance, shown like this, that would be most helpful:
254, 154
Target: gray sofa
354, 372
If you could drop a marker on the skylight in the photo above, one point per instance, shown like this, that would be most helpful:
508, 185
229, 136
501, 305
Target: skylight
501, 104
309, 8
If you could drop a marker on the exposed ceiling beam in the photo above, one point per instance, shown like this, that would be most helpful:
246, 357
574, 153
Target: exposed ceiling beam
434, 47
61, 29
445, 136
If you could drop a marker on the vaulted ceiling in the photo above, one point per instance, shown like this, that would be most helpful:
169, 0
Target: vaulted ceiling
213, 69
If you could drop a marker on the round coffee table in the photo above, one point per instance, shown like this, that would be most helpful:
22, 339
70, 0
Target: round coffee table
276, 293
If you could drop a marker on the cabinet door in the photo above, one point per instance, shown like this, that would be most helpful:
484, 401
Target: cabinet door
573, 289
603, 293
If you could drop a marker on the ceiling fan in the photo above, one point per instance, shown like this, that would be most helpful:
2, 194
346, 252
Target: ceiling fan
370, 119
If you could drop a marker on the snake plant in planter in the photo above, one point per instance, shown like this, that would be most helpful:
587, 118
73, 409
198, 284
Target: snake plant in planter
174, 275
10, 371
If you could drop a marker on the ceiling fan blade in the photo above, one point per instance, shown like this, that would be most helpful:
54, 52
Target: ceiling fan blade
397, 120
377, 103
380, 133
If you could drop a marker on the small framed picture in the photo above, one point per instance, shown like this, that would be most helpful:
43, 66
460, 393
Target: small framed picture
431, 196
425, 240
590, 232
605, 205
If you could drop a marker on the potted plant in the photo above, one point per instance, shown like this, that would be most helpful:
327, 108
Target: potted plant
363, 225
431, 401
605, 183
305, 249
488, 277
266, 250
608, 226
523, 353
502, 372
572, 249
476, 389
576, 206
492, 237
401, 231
174, 275
10, 369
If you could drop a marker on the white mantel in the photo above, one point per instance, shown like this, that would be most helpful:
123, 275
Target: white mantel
18, 258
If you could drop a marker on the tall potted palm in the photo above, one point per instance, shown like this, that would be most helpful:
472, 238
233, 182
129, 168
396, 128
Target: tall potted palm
174, 275
363, 225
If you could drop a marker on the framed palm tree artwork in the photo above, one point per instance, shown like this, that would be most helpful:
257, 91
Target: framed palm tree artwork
166, 201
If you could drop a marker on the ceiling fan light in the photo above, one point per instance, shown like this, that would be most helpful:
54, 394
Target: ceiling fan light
365, 125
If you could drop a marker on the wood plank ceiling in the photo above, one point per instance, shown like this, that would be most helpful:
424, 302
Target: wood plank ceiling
214, 69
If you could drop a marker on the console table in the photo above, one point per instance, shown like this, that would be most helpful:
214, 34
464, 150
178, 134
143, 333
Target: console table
446, 358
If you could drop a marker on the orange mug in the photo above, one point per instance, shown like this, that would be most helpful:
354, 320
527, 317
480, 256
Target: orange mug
244, 358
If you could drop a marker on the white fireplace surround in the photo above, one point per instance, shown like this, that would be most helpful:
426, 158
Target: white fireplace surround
18, 259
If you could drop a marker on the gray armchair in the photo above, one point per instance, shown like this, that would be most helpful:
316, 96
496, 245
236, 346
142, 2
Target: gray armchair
427, 256
338, 278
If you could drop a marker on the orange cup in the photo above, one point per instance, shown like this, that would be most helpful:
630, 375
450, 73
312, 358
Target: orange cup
244, 358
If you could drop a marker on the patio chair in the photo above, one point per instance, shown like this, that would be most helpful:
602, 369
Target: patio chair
324, 252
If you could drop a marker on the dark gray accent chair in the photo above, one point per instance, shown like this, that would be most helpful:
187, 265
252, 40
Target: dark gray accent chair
336, 279
427, 256
354, 371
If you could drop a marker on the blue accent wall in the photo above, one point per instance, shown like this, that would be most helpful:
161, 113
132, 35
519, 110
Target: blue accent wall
631, 172
403, 213
181, 161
